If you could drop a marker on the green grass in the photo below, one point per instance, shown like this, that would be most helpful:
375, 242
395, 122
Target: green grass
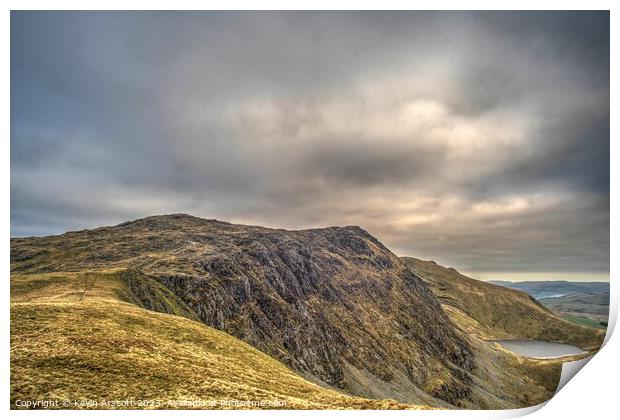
584, 322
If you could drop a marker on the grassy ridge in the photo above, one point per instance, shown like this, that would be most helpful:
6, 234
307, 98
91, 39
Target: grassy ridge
496, 312
72, 344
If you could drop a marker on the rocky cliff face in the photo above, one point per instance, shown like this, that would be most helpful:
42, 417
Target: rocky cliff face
334, 304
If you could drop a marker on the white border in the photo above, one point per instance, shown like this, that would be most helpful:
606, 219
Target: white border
592, 395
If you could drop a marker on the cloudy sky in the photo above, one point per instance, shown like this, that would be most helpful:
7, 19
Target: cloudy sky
479, 140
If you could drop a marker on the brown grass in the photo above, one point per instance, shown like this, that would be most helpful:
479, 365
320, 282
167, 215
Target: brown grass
66, 345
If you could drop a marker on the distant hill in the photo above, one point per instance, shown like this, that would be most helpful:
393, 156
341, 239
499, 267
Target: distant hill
551, 289
588, 305
582, 303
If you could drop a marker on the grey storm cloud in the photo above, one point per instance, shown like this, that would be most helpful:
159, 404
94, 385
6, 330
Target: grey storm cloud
479, 139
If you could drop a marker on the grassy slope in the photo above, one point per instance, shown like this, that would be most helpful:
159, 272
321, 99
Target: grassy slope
101, 345
586, 322
493, 312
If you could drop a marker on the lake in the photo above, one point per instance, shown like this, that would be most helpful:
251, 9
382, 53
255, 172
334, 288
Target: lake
540, 349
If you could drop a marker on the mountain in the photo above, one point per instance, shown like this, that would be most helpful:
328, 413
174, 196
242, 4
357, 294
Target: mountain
334, 305
495, 312
550, 289
77, 340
